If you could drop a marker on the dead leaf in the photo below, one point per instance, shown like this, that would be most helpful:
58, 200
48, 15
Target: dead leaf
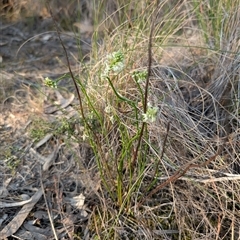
77, 201
44, 140
84, 27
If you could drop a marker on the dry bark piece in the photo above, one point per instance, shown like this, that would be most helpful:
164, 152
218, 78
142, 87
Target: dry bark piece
16, 223
61, 103
14, 204
44, 140
52, 157
3, 218
47, 232
46, 161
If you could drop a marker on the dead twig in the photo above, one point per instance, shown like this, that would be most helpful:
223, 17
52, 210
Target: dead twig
179, 173
134, 159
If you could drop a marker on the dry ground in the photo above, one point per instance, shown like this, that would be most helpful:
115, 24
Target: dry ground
30, 51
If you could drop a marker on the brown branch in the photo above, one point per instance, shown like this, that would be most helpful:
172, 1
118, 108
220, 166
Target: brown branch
96, 138
179, 173
134, 160
68, 62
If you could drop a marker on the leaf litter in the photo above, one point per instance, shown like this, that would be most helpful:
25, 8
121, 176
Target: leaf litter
33, 168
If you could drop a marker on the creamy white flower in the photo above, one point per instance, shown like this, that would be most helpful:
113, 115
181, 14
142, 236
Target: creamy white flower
151, 114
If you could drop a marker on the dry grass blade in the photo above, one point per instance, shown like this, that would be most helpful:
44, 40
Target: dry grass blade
48, 211
183, 170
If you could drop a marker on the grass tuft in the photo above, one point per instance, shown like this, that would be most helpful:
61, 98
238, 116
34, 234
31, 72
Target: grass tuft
191, 122
159, 109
